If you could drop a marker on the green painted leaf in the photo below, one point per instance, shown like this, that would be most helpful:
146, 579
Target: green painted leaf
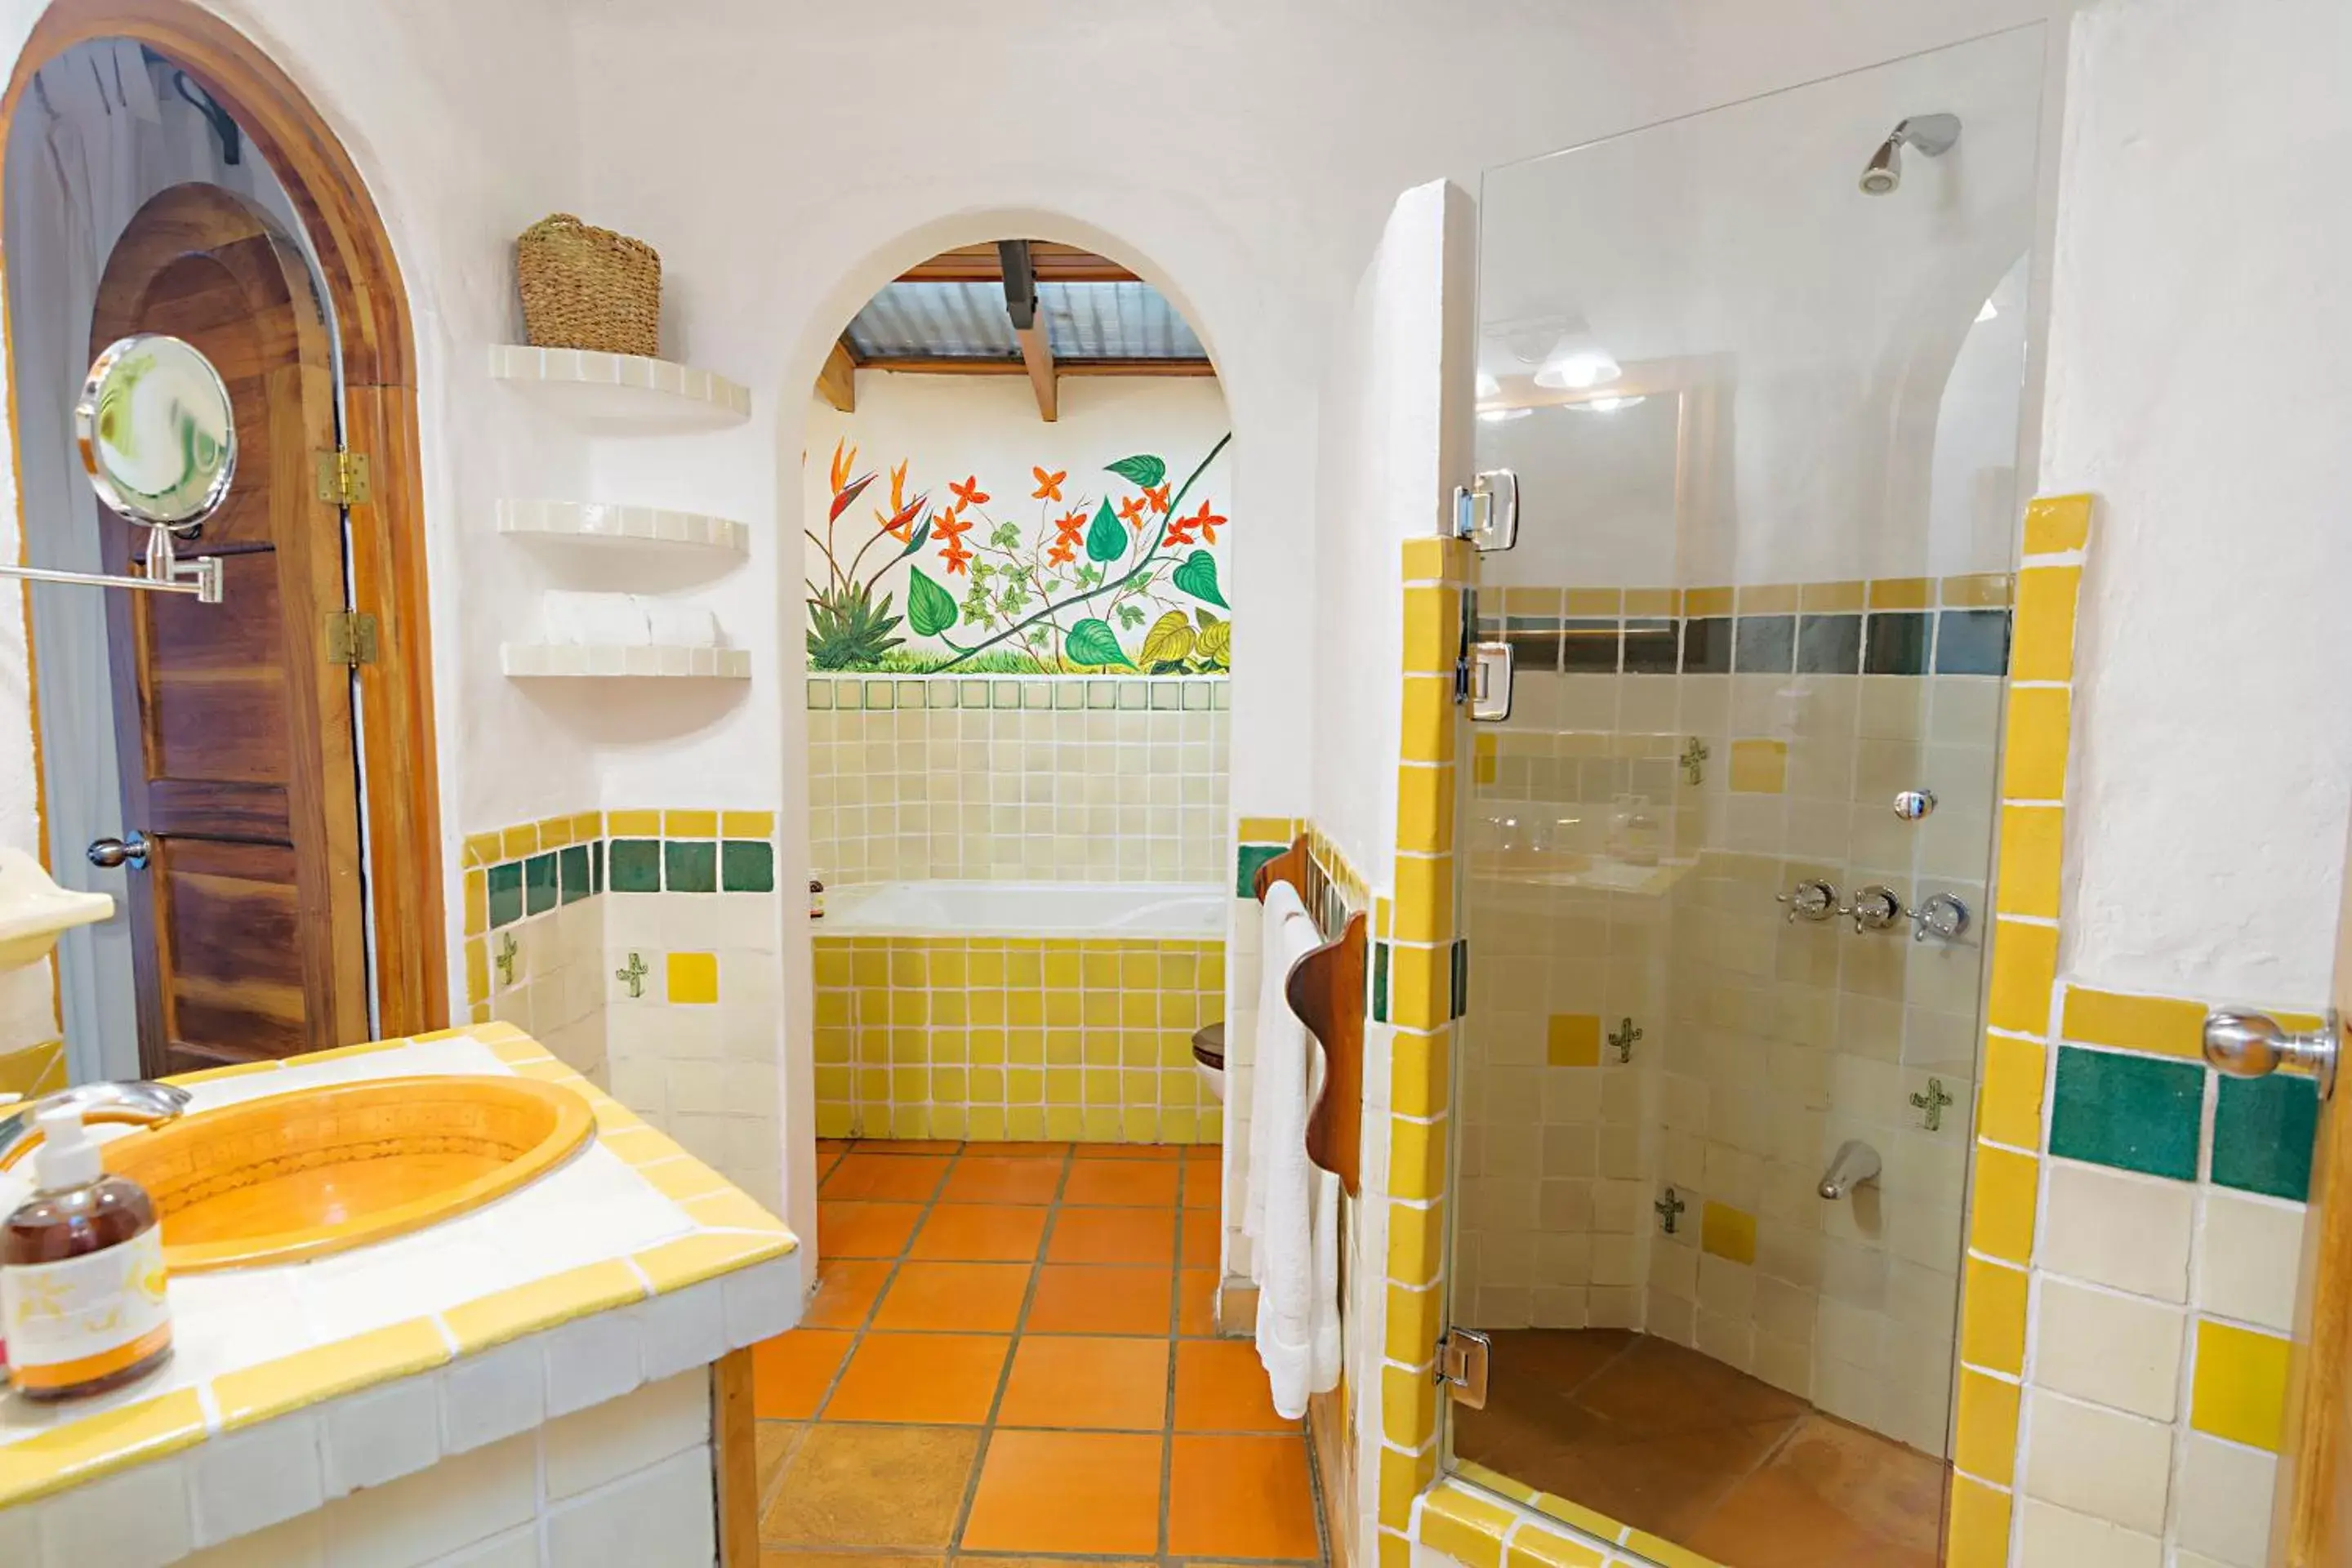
922, 536
1216, 642
1093, 642
1141, 470
1106, 536
930, 609
1197, 575
1171, 638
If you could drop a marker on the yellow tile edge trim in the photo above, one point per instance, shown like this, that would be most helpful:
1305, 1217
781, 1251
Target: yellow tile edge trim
1489, 1520
93, 1446
257, 1393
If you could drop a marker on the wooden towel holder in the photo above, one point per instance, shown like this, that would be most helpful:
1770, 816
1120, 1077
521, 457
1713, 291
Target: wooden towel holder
1326, 989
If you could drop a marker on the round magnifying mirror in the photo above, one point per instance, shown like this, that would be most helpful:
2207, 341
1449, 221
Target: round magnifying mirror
156, 431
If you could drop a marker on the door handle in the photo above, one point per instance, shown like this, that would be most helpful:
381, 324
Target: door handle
2253, 1045
112, 852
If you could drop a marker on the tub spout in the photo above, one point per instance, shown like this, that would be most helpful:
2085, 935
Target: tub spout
1855, 1163
140, 1103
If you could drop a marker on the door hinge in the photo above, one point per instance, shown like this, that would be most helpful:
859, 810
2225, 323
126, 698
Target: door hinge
1461, 1357
351, 637
343, 478
1487, 510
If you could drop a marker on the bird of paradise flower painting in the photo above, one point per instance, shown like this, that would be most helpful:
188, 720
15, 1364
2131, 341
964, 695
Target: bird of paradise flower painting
1118, 576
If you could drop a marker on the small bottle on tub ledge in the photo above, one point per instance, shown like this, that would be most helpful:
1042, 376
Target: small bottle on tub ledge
82, 1303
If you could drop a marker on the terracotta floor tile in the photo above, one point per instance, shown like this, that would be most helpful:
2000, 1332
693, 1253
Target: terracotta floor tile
978, 1298
992, 1179
791, 1373
1127, 1150
1015, 1148
834, 1479
1204, 1186
1196, 1302
980, 1560
864, 1230
1095, 1299
1204, 1153
829, 1152
1205, 1236
845, 1291
1240, 1496
1221, 1386
1127, 1184
1092, 1492
899, 1178
909, 1146
1058, 1381
773, 1442
1113, 1236
943, 1379
782, 1557
980, 1233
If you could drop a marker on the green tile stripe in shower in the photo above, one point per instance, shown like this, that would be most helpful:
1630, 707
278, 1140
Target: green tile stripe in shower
2146, 1114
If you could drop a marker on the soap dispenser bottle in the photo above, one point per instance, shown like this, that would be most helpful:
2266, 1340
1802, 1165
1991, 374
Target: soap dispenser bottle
82, 1273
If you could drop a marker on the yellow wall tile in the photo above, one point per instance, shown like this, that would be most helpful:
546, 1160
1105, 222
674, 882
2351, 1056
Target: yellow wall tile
1416, 1158
1407, 1406
587, 826
2009, 1105
1760, 767
97, 1442
1992, 1316
1985, 1445
509, 1314
1424, 560
477, 970
1977, 590
1420, 1073
1901, 592
690, 1259
1727, 1232
1572, 1041
1484, 751
1416, 1242
2000, 1213
2024, 966
2042, 645
632, 824
2032, 847
484, 848
2054, 524
1268, 829
747, 824
274, 1387
1425, 810
690, 825
693, 977
1703, 602
1822, 597
1428, 718
1432, 628
1976, 1528
1421, 987
554, 832
2037, 729
477, 903
2241, 1385
1643, 602
1466, 1527
1415, 1317
1595, 604
1424, 897
1401, 1476
1533, 1548
1768, 598
2155, 1023
514, 843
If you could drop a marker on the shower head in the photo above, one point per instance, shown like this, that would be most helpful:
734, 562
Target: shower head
1933, 134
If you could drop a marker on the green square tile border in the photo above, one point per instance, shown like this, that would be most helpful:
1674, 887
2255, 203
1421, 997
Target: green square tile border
2130, 1112
533, 885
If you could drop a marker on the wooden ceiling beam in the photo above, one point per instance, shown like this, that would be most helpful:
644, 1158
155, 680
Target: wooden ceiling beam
973, 364
837, 382
1053, 263
1019, 274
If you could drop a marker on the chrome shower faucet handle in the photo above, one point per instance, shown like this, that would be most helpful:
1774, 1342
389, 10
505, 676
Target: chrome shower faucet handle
1811, 899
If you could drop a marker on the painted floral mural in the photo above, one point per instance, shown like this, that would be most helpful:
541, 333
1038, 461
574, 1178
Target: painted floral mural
1048, 573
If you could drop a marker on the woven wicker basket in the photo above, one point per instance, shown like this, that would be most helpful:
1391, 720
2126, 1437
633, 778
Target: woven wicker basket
588, 287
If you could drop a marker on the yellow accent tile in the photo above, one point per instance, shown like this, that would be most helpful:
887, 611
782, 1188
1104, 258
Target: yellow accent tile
1402, 1476
477, 903
2000, 1214
2009, 1105
506, 1315
1420, 1073
1424, 560
1992, 1316
1826, 597
690, 825
2054, 524
681, 1179
693, 977
732, 1210
1977, 590
1424, 899
1416, 1242
477, 969
1976, 1528
1416, 1158
1727, 1232
1901, 592
690, 1259
1667, 1554
1526, 601
1760, 767
99, 1442
482, 848
1415, 1317
491, 1033
1268, 829
1642, 602
1704, 602
1484, 753
554, 832
1985, 1441
1533, 1548
514, 843
1494, 1481
1425, 810
1432, 628
1421, 987
1465, 1527
1428, 718
2032, 848
1572, 1041
2158, 1025
746, 825
2043, 644
1769, 598
1595, 603
632, 824
2039, 730
1590, 1520
257, 1393
2240, 1391
512, 1051
612, 1116
454, 1030
587, 826
1407, 1406
2024, 966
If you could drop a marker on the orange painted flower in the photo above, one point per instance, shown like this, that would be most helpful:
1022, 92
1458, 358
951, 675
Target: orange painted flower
955, 556
1049, 486
845, 458
1179, 533
898, 486
1207, 521
1130, 511
1064, 552
1159, 498
969, 493
901, 523
950, 526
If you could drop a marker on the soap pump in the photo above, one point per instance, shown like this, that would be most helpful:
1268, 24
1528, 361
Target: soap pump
82, 1301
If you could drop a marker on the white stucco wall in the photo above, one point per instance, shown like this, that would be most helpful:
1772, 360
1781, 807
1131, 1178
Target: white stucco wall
2196, 384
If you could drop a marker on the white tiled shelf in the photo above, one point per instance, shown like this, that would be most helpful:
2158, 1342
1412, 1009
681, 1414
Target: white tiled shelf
577, 660
622, 391
598, 524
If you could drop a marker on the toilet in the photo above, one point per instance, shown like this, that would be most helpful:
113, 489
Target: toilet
1209, 1058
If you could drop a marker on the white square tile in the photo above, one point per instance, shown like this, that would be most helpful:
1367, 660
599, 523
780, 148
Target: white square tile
591, 1360
512, 1549
683, 1330
2128, 1231
2101, 1462
137, 1518
491, 1395
2225, 1500
425, 1517
2252, 1251
2053, 1537
248, 1480
635, 1432
660, 1518
762, 1302
299, 1542
380, 1435
2109, 1348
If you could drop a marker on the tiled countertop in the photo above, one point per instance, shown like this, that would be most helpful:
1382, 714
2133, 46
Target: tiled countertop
632, 1218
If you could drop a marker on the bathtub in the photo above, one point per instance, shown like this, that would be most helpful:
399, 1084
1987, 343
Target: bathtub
1183, 911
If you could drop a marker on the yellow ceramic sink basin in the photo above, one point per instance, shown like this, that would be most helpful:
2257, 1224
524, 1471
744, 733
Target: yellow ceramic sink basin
299, 1175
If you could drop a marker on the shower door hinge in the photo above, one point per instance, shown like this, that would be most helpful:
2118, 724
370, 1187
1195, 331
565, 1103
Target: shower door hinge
1461, 1357
1487, 510
351, 637
343, 478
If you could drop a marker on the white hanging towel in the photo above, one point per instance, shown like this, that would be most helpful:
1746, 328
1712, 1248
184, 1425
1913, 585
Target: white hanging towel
1292, 1209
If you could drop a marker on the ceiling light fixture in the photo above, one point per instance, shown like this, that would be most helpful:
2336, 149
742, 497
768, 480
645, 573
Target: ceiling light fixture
1605, 405
1500, 415
1576, 371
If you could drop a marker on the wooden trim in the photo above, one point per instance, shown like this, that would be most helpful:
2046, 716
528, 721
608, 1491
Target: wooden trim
973, 365
362, 276
1326, 989
1053, 263
735, 1456
1290, 866
837, 382
1037, 358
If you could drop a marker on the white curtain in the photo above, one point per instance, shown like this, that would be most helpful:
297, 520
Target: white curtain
101, 131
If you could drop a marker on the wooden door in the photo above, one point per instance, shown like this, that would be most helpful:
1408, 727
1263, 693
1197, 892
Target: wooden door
235, 733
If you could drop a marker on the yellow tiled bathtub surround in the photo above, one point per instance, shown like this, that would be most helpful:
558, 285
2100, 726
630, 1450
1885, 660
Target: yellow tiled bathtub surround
34, 1069
258, 1348
1014, 1037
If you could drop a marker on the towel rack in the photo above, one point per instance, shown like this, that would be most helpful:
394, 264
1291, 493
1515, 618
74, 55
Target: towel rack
1326, 989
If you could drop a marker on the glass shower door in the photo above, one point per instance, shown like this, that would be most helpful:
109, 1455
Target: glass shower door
1759, 373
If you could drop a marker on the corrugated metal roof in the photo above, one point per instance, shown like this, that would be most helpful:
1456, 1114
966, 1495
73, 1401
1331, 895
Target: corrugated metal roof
967, 321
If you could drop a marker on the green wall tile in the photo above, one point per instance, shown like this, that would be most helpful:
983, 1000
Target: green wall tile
2137, 1113
539, 889
596, 867
690, 865
635, 865
574, 864
506, 894
1246, 861
746, 866
2262, 1132
1379, 983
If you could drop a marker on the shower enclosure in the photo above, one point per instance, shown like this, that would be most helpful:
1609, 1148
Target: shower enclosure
1759, 373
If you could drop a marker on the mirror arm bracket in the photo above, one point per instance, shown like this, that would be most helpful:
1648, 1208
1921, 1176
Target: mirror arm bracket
166, 573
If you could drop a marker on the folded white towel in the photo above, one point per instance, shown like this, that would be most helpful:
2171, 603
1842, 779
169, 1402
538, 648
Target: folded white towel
1292, 1209
677, 625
